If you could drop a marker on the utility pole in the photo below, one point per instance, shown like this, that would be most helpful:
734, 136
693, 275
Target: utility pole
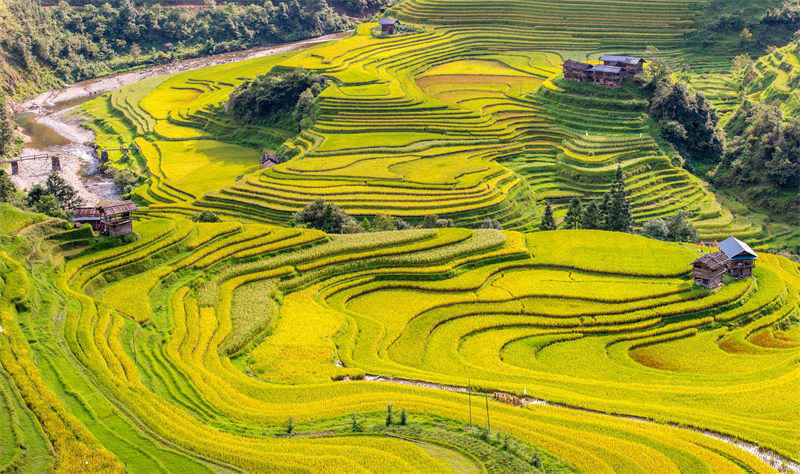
469, 397
488, 426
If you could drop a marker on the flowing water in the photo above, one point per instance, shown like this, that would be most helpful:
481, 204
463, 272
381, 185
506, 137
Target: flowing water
52, 128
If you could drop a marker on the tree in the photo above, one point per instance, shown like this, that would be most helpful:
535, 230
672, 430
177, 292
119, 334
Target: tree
490, 223
206, 216
433, 221
656, 229
680, 229
40, 200
574, 213
389, 419
592, 218
7, 139
325, 216
383, 222
355, 425
66, 196
548, 221
403, 417
7, 189
290, 426
617, 207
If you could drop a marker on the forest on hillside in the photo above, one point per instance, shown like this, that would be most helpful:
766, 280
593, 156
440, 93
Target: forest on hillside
45, 46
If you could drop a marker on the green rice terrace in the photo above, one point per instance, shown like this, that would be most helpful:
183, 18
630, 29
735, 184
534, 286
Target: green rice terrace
254, 344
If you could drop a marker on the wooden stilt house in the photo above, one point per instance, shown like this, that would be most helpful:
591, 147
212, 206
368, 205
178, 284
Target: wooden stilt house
630, 65
742, 259
709, 268
607, 76
388, 25
577, 71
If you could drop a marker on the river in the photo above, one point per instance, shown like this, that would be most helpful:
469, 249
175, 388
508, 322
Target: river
50, 126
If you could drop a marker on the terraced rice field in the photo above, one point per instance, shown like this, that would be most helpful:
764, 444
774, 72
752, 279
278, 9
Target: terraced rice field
445, 121
776, 79
244, 345
189, 349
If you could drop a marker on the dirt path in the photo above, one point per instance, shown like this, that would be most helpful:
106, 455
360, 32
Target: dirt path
53, 110
770, 457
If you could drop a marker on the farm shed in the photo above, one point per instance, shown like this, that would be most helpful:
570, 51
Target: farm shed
709, 268
388, 25
577, 71
111, 219
630, 65
268, 160
86, 215
742, 259
607, 76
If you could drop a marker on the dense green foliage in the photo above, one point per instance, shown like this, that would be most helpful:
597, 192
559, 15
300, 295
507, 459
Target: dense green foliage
763, 158
327, 217
8, 142
276, 96
687, 120
56, 198
43, 46
674, 228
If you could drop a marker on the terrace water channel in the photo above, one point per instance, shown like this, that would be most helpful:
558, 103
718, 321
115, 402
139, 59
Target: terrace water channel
51, 126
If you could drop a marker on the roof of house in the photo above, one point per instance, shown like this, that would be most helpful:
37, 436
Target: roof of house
85, 213
387, 21
736, 249
577, 65
714, 261
632, 60
117, 208
604, 68
269, 157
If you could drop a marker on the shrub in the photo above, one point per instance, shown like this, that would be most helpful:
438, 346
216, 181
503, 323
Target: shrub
206, 216
327, 217
656, 228
389, 419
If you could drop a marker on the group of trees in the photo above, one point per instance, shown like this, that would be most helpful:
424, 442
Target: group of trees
9, 145
330, 218
687, 120
762, 158
56, 198
45, 45
613, 212
277, 97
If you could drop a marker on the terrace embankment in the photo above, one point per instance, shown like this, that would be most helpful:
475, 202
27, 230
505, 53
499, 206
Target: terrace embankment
768, 456
49, 126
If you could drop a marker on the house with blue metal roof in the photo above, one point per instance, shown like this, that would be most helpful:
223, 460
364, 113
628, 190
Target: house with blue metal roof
742, 257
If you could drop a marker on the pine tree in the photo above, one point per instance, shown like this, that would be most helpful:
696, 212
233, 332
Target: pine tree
403, 417
329, 224
548, 221
617, 210
389, 415
591, 216
574, 213
356, 427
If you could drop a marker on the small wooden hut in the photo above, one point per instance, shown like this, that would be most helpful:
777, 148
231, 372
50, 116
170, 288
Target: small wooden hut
114, 219
709, 268
577, 71
630, 65
268, 160
741, 258
607, 76
388, 25
86, 215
